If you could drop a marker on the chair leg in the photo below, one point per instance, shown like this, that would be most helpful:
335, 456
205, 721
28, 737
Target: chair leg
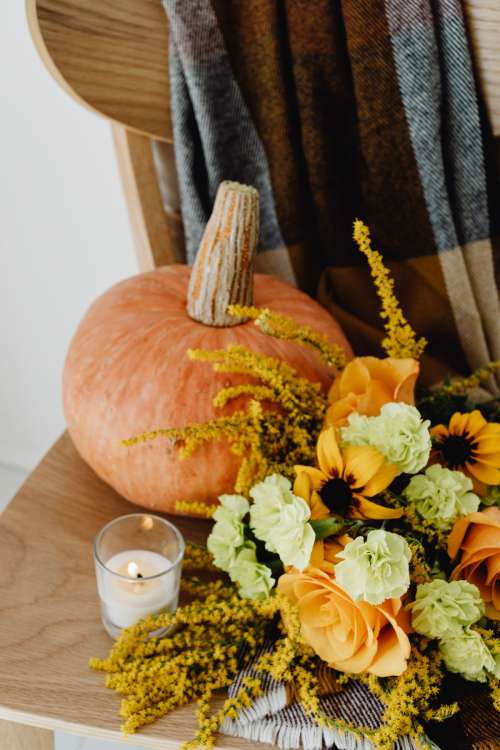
21, 737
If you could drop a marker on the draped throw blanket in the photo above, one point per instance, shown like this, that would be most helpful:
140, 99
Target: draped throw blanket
336, 109
276, 718
341, 108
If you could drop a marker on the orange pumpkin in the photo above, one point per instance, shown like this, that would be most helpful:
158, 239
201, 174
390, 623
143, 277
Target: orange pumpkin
127, 369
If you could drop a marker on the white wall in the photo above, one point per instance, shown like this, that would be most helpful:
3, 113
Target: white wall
64, 236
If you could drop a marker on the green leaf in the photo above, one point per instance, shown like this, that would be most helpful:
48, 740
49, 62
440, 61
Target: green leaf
326, 527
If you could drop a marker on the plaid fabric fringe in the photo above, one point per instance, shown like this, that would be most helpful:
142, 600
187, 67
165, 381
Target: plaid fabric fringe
276, 718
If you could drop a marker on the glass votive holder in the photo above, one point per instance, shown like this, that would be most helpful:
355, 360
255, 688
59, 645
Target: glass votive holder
138, 560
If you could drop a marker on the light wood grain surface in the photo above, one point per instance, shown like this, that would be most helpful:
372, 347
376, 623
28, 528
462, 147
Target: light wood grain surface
19, 737
157, 230
111, 55
49, 613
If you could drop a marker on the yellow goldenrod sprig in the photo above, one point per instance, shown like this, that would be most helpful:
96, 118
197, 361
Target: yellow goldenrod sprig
195, 508
400, 340
420, 570
163, 662
426, 527
282, 327
157, 673
268, 441
495, 694
462, 386
407, 699
256, 392
197, 557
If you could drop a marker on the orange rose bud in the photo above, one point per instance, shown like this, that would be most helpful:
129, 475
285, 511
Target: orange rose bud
475, 542
349, 636
325, 551
367, 383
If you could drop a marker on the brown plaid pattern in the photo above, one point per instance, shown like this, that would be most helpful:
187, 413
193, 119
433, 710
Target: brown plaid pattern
341, 108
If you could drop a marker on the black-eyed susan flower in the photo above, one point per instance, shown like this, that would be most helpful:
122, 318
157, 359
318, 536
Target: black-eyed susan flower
470, 444
345, 480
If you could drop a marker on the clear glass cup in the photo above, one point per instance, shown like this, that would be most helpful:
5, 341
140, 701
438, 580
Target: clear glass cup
138, 561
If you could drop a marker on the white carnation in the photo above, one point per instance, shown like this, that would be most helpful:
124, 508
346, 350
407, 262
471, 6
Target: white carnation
398, 432
280, 519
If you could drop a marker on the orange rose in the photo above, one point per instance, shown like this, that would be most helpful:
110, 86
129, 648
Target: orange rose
350, 636
325, 551
477, 536
367, 383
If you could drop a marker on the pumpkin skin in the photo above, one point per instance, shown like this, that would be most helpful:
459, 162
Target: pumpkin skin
127, 372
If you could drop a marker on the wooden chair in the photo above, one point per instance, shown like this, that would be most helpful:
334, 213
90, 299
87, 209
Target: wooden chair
111, 55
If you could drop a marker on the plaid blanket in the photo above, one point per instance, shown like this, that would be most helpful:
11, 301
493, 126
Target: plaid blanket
335, 109
276, 718
341, 108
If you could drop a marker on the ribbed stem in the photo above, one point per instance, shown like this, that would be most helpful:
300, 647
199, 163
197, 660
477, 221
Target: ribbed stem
222, 273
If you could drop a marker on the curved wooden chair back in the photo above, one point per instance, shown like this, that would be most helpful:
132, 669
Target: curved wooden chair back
112, 56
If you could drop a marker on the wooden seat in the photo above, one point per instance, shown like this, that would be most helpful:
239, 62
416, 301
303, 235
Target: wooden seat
50, 622
111, 55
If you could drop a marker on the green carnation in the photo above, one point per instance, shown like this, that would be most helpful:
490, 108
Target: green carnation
253, 578
440, 495
280, 519
227, 535
443, 609
467, 654
398, 432
231, 506
374, 570
269, 498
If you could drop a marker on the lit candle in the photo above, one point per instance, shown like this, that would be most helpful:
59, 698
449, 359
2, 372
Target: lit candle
138, 561
139, 588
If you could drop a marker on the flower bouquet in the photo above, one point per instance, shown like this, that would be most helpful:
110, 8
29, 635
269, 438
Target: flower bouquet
359, 555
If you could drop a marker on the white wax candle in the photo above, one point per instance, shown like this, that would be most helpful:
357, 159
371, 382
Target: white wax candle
128, 600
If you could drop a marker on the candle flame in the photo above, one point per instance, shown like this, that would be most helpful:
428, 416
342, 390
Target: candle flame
133, 569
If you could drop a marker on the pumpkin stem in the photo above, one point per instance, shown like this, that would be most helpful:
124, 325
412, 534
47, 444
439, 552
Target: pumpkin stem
222, 273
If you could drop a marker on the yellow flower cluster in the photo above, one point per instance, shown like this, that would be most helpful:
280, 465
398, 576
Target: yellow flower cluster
194, 508
307, 690
493, 643
281, 327
462, 386
400, 341
196, 656
268, 440
203, 645
420, 571
426, 527
210, 725
197, 557
407, 700
495, 694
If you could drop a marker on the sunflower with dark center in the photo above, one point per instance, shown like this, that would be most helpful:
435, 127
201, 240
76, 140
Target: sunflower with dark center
345, 480
470, 444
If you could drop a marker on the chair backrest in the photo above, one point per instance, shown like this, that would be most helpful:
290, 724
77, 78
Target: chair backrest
113, 57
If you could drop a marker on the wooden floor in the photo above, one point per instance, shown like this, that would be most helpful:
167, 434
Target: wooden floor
49, 615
